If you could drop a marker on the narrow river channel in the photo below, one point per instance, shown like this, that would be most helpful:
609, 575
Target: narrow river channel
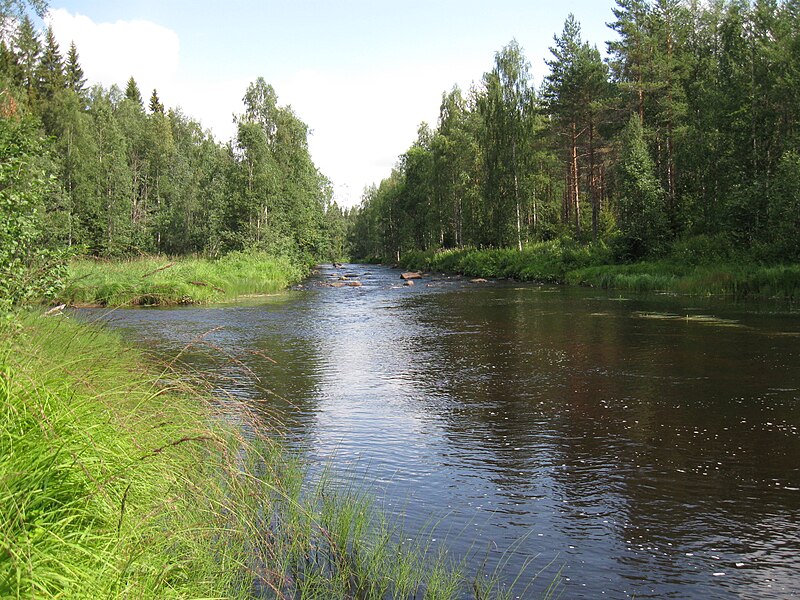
630, 447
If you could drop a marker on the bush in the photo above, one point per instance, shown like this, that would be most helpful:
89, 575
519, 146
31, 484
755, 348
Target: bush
27, 270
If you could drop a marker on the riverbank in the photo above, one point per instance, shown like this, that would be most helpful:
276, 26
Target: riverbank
560, 262
159, 280
119, 476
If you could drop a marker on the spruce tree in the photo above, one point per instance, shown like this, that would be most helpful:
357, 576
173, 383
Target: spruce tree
132, 92
74, 73
9, 67
155, 104
28, 49
51, 67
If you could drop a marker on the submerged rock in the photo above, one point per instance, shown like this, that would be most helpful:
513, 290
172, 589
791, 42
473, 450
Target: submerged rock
354, 284
478, 280
410, 275
409, 282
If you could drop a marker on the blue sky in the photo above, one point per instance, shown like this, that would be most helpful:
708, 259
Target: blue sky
362, 74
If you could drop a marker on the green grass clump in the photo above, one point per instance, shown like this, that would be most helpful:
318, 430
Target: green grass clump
737, 280
546, 262
162, 281
693, 268
118, 478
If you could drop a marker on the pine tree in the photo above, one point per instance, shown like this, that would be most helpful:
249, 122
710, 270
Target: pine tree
629, 54
574, 91
74, 73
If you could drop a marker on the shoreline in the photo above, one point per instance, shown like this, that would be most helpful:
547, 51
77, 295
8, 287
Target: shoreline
552, 263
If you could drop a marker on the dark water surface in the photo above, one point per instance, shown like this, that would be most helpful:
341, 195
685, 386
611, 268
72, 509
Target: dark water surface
648, 447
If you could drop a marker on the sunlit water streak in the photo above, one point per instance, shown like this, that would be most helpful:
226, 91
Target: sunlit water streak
649, 446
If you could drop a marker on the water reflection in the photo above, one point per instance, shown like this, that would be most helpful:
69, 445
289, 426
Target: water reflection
650, 446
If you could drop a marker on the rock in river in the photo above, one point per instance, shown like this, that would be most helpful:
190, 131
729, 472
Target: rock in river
410, 275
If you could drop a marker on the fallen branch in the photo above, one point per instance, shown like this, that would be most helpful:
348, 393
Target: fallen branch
203, 284
56, 310
158, 269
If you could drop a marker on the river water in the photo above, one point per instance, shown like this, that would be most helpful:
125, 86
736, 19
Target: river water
626, 446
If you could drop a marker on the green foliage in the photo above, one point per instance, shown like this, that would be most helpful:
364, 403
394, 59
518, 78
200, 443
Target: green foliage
783, 211
27, 270
120, 477
161, 281
544, 262
642, 222
714, 89
132, 182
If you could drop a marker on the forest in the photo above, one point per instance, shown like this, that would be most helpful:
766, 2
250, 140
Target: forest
103, 172
684, 139
682, 142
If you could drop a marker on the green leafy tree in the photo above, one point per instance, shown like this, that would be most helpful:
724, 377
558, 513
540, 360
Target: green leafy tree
642, 221
506, 107
784, 209
456, 164
27, 270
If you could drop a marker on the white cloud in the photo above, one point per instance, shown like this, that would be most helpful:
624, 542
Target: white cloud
361, 121
112, 52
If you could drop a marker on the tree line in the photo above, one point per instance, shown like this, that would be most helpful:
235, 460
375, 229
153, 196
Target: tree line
688, 129
120, 175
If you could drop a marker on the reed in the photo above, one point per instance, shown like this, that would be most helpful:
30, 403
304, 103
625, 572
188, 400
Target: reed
122, 477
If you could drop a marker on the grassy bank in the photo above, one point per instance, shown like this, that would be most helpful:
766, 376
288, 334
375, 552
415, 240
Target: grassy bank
565, 262
547, 262
119, 479
162, 281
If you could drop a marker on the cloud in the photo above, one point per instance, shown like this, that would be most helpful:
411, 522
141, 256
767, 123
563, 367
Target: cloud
110, 53
360, 120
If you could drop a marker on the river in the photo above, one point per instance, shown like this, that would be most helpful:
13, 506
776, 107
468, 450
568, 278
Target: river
628, 446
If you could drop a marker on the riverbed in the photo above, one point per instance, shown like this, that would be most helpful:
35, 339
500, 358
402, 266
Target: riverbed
623, 446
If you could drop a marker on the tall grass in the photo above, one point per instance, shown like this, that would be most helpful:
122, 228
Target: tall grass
543, 261
120, 480
736, 280
564, 261
160, 280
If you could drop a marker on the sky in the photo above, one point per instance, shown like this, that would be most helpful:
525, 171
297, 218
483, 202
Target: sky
363, 74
